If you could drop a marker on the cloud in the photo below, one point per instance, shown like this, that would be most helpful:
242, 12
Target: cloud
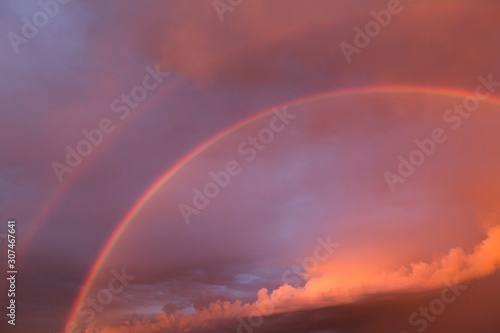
321, 177
334, 284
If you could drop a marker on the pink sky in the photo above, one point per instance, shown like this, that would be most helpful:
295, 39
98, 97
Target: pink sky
322, 175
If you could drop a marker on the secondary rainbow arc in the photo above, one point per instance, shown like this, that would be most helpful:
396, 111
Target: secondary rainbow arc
54, 200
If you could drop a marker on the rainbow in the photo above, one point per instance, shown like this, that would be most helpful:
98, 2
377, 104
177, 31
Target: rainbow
173, 170
55, 199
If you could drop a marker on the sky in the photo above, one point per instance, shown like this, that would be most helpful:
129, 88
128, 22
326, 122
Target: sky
250, 166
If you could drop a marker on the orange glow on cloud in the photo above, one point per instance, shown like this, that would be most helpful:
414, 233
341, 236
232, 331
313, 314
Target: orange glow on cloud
338, 283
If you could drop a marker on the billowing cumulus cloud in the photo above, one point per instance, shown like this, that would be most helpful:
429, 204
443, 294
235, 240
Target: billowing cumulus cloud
334, 283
